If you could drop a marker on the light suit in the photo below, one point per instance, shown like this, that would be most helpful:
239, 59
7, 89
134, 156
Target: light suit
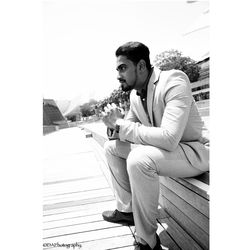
171, 140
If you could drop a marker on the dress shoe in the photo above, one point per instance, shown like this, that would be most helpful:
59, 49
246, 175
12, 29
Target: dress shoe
139, 246
118, 217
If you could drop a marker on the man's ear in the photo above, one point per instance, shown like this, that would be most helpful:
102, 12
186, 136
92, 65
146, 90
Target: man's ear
142, 65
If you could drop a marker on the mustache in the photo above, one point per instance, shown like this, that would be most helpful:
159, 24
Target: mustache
121, 80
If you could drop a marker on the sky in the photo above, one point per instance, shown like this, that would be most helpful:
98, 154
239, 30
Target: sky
80, 39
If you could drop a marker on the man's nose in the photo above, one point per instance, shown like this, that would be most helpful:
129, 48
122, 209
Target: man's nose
118, 76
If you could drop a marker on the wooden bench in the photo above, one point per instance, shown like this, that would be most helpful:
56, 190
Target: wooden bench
186, 201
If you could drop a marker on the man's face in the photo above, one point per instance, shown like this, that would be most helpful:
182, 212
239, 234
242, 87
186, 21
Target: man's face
127, 73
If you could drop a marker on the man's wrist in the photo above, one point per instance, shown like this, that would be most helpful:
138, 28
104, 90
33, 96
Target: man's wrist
117, 128
118, 123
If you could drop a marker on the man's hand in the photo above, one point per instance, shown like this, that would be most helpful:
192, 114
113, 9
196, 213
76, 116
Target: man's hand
111, 114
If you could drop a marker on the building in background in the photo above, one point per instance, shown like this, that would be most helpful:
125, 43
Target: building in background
198, 34
52, 117
70, 109
200, 89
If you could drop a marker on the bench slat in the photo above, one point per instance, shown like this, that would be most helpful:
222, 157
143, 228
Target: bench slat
184, 240
201, 237
193, 214
195, 185
166, 240
192, 198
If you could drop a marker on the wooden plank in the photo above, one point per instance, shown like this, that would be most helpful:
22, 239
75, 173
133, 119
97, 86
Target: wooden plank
121, 242
198, 183
90, 235
77, 202
201, 237
76, 165
78, 228
166, 241
75, 186
123, 248
193, 214
195, 185
192, 198
87, 209
78, 196
79, 169
70, 180
184, 241
72, 221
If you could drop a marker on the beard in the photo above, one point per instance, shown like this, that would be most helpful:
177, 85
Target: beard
127, 87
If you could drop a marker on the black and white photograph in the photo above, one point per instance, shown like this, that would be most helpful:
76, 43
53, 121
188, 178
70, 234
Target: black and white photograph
110, 138
126, 98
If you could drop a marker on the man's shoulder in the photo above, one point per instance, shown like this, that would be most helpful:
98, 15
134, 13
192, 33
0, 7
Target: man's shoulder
170, 79
173, 73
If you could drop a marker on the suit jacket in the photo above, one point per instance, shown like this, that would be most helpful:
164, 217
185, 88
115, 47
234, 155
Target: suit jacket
173, 119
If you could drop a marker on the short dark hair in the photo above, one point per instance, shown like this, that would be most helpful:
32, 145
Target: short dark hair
134, 51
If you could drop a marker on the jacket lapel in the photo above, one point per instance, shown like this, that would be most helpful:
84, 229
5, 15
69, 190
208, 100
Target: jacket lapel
150, 93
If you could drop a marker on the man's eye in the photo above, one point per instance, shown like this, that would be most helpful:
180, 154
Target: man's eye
122, 68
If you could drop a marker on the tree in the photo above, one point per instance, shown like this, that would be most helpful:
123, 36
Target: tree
87, 109
117, 96
173, 59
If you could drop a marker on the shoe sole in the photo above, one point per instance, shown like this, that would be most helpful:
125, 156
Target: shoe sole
129, 223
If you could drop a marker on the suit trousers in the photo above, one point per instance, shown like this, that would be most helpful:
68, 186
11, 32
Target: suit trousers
135, 171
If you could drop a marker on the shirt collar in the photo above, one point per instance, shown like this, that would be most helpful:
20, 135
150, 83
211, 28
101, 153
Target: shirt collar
143, 92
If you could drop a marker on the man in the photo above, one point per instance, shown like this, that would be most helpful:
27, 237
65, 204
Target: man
162, 135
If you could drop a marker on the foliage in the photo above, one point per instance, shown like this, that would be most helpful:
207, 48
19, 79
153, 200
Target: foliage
117, 96
87, 109
173, 59
71, 118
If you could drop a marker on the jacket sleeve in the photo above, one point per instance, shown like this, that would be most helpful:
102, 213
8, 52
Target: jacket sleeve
177, 98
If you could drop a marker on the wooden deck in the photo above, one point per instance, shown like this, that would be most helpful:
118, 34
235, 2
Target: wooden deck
76, 192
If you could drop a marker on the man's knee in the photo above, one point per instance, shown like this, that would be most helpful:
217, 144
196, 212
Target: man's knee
139, 161
117, 148
109, 147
